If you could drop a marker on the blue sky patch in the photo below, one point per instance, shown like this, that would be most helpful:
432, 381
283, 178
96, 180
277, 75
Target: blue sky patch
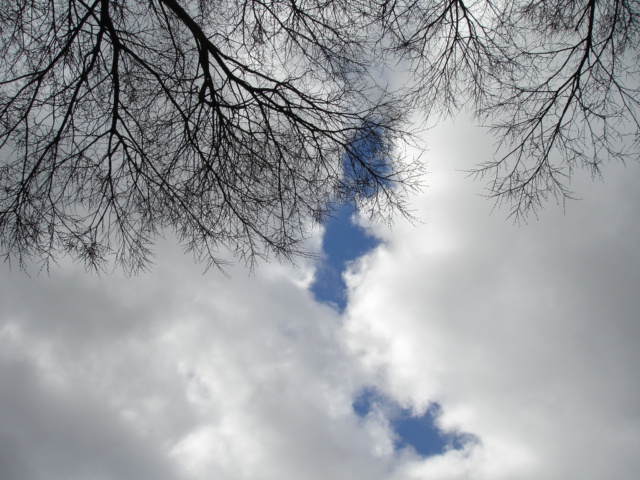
343, 242
418, 432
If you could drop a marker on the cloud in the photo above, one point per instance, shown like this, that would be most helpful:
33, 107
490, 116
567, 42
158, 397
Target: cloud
176, 375
525, 335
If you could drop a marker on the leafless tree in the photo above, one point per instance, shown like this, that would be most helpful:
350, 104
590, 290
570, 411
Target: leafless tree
230, 122
571, 98
238, 123
556, 80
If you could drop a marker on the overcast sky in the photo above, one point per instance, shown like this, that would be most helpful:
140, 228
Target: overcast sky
525, 336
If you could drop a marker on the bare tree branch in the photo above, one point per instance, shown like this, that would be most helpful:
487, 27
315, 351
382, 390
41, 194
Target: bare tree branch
236, 124
121, 119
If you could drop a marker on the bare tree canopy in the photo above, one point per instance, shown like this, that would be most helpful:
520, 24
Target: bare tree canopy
238, 123
227, 122
557, 81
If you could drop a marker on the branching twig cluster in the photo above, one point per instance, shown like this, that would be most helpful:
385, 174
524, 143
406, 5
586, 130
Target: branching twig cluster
237, 123
120, 119
556, 80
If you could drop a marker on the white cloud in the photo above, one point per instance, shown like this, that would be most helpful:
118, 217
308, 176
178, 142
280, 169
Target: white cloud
176, 375
526, 335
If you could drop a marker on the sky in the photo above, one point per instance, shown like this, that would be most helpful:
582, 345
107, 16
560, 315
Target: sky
460, 346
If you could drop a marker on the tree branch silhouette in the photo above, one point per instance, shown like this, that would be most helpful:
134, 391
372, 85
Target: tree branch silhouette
236, 124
